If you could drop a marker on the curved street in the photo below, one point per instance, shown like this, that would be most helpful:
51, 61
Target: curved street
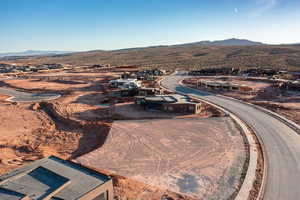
17, 96
282, 144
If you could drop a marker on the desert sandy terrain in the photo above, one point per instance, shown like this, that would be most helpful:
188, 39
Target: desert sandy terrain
32, 84
77, 125
202, 158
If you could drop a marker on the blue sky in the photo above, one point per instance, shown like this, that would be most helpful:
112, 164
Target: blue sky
81, 25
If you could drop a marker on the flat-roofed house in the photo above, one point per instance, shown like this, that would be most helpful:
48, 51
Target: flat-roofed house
148, 91
53, 178
222, 85
127, 83
174, 103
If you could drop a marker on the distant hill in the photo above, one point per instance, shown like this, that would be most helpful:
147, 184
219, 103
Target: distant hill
228, 42
33, 53
225, 53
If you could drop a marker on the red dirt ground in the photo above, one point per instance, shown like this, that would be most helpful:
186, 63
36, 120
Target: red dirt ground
76, 127
30, 84
202, 158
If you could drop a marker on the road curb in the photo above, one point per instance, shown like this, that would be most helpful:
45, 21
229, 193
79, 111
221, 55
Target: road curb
247, 185
284, 120
265, 163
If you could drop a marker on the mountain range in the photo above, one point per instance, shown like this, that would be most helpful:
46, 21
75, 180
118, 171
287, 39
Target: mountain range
223, 53
228, 42
34, 53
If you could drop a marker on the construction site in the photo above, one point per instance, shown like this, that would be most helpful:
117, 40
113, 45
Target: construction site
97, 114
150, 100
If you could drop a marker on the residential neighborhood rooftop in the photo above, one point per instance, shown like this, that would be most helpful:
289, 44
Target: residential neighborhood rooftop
170, 98
50, 178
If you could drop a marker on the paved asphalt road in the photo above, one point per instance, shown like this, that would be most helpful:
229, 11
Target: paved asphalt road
17, 96
282, 144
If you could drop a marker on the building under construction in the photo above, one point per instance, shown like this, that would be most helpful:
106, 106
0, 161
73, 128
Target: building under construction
222, 85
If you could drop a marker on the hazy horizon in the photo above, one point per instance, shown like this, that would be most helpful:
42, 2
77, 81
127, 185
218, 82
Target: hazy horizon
58, 25
75, 51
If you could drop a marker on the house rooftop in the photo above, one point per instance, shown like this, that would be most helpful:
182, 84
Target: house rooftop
50, 178
222, 83
161, 98
123, 80
170, 98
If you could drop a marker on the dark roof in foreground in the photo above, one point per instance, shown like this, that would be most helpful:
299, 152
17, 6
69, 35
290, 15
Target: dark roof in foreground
51, 178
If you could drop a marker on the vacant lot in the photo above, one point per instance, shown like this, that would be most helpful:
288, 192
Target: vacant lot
202, 158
